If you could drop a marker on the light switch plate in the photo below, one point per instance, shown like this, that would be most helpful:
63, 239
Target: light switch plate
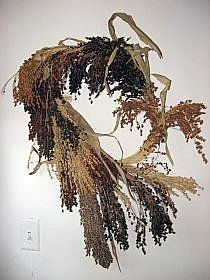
30, 234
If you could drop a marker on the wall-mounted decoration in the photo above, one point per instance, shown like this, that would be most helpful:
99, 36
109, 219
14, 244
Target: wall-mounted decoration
112, 195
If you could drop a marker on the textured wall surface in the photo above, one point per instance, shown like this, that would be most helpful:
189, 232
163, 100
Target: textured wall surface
181, 29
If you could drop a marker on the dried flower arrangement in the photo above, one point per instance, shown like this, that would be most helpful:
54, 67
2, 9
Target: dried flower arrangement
110, 192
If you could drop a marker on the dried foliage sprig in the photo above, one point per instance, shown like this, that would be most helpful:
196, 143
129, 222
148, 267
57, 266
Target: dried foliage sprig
109, 192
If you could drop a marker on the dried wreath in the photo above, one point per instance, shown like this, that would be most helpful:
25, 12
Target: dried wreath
107, 189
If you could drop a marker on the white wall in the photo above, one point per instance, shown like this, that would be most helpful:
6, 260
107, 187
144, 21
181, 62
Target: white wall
181, 28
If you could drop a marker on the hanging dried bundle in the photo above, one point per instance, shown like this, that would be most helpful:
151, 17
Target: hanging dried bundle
109, 192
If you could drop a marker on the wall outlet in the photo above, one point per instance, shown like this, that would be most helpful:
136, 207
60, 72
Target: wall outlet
30, 234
